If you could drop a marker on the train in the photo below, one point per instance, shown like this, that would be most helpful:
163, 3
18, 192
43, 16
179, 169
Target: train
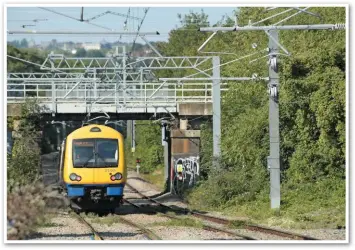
92, 168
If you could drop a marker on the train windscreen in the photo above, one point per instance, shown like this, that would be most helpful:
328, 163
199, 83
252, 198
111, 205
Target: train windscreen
95, 153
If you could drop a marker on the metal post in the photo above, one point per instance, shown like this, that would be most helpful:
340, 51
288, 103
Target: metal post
54, 108
117, 83
166, 142
141, 84
216, 98
133, 140
64, 131
124, 75
274, 158
167, 160
129, 128
163, 133
58, 136
95, 87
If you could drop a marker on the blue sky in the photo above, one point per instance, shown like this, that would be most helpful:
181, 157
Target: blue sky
161, 19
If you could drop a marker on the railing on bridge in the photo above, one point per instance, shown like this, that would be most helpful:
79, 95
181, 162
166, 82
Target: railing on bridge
76, 95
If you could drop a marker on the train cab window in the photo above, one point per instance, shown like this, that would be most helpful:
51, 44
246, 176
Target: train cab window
107, 155
95, 152
84, 153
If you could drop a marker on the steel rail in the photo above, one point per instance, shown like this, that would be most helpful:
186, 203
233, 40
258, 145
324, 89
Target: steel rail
148, 233
205, 227
96, 235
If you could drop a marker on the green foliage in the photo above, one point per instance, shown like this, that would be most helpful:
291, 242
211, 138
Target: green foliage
23, 166
32, 55
95, 53
148, 147
81, 52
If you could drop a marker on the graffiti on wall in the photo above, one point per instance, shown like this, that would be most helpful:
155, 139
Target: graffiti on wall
186, 172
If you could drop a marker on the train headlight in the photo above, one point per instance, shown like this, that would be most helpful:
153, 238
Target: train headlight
74, 177
116, 177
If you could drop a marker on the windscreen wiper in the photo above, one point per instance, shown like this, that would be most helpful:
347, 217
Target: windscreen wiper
87, 162
97, 153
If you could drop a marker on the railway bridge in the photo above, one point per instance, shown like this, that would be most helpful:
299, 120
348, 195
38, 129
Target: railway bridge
121, 88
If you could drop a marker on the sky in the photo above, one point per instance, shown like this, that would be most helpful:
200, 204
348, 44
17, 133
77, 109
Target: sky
161, 19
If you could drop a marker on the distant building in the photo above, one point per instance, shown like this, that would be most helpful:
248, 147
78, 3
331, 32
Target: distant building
92, 46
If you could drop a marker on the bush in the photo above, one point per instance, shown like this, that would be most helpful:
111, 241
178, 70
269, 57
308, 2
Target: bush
28, 206
23, 165
28, 200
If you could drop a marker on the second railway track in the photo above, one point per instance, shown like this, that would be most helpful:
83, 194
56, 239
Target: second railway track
223, 221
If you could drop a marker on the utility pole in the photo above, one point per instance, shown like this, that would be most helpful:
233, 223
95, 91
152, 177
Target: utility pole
166, 143
216, 98
274, 158
117, 83
133, 138
124, 75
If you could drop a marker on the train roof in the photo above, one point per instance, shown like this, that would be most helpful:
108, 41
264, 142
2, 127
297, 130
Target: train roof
92, 128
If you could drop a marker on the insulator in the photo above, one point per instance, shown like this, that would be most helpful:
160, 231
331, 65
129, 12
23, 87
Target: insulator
339, 26
273, 63
273, 91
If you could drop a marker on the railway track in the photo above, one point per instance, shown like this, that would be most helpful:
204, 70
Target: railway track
96, 235
146, 232
226, 222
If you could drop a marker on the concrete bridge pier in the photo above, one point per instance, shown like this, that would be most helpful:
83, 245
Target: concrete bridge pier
185, 150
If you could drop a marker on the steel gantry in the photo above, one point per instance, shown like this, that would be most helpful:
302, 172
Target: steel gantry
121, 83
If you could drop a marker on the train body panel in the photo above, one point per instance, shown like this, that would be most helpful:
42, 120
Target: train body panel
92, 168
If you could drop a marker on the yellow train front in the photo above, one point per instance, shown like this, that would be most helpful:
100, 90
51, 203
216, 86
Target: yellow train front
92, 168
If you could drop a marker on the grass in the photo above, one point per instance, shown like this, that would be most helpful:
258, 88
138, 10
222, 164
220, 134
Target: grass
308, 206
156, 178
237, 224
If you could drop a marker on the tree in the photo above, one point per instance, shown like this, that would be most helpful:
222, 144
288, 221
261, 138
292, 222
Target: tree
31, 55
95, 53
80, 52
24, 43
